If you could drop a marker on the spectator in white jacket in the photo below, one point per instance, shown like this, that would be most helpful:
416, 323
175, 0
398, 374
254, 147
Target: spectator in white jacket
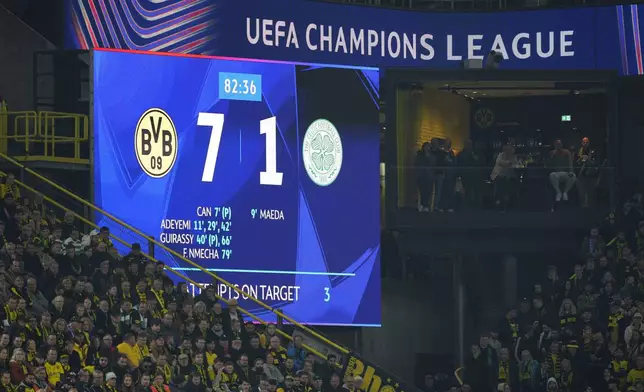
75, 241
636, 324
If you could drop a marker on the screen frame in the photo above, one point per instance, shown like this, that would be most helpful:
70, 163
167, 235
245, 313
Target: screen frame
151, 245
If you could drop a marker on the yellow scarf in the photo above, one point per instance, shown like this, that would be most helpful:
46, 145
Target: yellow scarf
143, 351
142, 296
12, 315
504, 371
167, 373
210, 358
159, 296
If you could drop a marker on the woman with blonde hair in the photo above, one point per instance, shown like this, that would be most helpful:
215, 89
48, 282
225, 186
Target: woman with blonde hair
199, 312
567, 314
18, 366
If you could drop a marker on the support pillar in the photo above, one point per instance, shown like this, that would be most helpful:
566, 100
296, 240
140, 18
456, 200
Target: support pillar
459, 309
510, 283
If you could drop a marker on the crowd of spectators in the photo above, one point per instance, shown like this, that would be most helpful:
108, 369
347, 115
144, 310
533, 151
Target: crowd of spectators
79, 317
580, 327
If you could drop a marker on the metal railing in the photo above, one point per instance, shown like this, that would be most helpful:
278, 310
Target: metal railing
150, 257
44, 136
528, 187
458, 373
158, 245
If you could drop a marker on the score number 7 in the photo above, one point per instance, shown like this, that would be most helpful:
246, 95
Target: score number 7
267, 127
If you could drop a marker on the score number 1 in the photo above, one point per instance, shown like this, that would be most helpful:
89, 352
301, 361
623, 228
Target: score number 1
267, 127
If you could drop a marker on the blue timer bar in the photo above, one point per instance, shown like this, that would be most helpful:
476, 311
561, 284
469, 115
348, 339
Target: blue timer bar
240, 86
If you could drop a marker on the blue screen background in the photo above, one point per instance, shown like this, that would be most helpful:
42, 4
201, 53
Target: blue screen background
329, 240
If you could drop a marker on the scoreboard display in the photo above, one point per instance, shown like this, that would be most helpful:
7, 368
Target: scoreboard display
265, 173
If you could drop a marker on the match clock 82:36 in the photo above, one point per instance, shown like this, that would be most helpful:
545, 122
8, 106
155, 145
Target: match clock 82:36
240, 86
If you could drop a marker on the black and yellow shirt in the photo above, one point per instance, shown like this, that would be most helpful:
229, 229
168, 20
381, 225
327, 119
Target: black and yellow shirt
82, 352
230, 379
554, 365
567, 319
634, 376
619, 369
144, 351
55, 372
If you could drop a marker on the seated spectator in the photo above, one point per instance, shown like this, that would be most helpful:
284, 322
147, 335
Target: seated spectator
297, 352
562, 172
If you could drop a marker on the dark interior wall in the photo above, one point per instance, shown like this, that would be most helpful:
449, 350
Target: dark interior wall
17, 45
417, 319
47, 17
630, 147
537, 119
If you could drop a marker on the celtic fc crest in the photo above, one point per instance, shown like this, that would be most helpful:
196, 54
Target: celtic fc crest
322, 152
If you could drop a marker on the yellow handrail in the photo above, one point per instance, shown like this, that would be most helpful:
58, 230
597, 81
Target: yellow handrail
457, 374
179, 256
152, 259
39, 129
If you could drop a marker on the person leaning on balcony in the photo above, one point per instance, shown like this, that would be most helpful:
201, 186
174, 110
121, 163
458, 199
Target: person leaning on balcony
9, 186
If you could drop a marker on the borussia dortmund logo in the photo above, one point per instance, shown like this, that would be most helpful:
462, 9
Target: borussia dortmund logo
484, 118
322, 152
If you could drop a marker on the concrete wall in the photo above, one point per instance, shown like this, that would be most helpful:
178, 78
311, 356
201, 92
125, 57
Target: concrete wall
18, 42
417, 318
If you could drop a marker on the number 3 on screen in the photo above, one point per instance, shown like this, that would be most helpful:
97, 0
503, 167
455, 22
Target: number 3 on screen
327, 294
267, 127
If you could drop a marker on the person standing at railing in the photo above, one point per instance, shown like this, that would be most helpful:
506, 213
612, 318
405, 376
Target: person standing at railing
504, 177
438, 163
587, 173
449, 182
422, 164
468, 173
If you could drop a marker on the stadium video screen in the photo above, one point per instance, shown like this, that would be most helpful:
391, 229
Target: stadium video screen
265, 173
